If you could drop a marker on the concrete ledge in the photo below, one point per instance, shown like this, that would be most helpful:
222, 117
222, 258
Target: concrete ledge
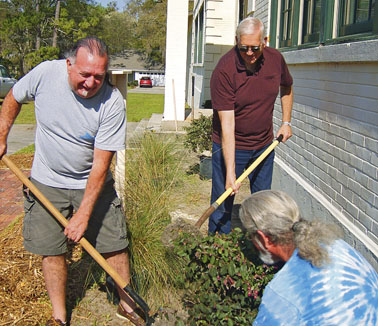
173, 126
362, 51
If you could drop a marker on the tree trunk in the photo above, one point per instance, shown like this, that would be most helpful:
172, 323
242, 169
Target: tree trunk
38, 40
55, 34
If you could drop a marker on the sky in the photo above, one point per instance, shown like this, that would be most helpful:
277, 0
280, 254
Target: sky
120, 3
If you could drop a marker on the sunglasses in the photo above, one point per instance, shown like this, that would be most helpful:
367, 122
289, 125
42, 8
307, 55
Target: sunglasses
245, 48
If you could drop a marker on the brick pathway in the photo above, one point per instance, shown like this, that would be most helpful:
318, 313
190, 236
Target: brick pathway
11, 198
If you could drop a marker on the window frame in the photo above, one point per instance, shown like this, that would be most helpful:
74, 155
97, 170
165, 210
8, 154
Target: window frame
329, 31
346, 29
199, 37
287, 25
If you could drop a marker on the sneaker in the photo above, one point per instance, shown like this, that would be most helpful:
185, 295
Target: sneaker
134, 317
55, 322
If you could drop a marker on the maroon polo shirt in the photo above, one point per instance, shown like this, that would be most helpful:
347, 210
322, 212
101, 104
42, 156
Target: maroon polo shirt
251, 96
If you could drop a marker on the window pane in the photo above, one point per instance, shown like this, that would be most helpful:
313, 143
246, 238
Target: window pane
286, 19
200, 36
316, 19
196, 41
311, 15
357, 16
4, 72
362, 10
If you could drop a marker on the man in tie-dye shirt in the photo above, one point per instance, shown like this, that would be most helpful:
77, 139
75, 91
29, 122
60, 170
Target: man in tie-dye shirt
324, 280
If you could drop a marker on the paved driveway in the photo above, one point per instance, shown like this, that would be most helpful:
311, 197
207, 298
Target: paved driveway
153, 90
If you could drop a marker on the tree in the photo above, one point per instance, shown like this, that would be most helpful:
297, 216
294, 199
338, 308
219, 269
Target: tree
151, 18
32, 25
119, 31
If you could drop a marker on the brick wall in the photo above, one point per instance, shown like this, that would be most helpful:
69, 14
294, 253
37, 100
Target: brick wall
333, 151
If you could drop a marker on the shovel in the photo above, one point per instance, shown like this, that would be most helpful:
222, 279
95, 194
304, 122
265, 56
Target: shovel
228, 192
84, 242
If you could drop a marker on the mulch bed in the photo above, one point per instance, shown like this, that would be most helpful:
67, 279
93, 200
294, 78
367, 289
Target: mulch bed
23, 161
23, 298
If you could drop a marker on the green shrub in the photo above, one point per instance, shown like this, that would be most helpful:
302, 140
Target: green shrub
198, 134
224, 277
133, 83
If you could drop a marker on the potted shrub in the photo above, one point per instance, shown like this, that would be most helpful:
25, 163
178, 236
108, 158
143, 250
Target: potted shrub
198, 139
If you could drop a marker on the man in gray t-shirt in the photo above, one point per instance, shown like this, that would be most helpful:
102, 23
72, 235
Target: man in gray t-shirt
81, 123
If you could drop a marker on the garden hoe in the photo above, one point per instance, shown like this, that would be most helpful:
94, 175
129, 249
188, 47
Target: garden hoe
228, 192
86, 245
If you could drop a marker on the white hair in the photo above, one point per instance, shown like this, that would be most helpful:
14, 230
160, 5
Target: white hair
276, 214
250, 25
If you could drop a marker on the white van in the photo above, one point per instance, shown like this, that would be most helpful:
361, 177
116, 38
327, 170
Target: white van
6, 81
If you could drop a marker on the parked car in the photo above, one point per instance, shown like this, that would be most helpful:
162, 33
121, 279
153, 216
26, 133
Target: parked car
6, 81
145, 82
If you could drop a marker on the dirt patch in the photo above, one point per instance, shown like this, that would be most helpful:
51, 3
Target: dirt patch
23, 161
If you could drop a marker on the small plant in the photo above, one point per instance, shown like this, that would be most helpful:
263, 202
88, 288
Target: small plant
225, 278
198, 136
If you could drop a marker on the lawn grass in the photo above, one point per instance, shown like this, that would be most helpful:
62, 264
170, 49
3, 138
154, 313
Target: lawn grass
27, 150
139, 106
26, 115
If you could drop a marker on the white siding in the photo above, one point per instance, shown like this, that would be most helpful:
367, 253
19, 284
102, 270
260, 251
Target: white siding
175, 63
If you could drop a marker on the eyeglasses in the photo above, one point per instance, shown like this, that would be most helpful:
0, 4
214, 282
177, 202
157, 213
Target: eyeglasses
245, 48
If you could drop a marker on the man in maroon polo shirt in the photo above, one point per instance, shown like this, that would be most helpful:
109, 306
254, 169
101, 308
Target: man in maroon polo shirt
244, 88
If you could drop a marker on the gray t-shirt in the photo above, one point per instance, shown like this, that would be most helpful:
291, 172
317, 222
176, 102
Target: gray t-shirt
68, 126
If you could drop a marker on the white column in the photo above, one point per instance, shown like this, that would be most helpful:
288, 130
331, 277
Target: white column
119, 79
175, 61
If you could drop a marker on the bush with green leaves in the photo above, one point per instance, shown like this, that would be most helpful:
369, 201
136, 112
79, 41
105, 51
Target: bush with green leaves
224, 278
198, 134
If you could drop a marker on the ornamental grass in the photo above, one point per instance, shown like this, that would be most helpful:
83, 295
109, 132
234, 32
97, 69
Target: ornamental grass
151, 172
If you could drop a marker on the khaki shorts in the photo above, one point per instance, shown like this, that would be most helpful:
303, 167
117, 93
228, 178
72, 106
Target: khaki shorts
43, 234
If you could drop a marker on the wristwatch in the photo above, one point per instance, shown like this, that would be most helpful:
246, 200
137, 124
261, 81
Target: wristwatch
286, 123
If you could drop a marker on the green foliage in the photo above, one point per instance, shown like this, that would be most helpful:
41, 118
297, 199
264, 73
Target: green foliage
225, 277
26, 26
150, 28
150, 174
44, 53
124, 24
133, 84
198, 134
140, 106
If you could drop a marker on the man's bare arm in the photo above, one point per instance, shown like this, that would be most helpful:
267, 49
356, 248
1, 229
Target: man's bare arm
79, 222
227, 119
8, 114
287, 105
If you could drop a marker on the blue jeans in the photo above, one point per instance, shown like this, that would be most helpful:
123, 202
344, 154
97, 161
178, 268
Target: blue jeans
259, 179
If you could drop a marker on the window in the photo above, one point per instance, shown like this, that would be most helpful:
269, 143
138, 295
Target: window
311, 20
286, 23
246, 8
198, 46
356, 16
3, 72
306, 23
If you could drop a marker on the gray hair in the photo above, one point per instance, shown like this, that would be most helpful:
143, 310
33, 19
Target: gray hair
250, 25
276, 214
93, 44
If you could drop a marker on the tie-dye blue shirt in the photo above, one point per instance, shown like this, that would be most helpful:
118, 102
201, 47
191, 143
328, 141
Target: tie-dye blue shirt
344, 292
